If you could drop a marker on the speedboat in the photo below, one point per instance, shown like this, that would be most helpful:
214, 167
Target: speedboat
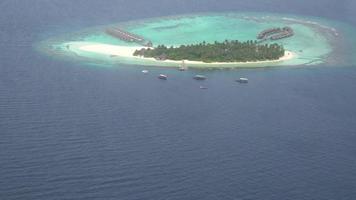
145, 71
163, 77
203, 87
200, 77
242, 80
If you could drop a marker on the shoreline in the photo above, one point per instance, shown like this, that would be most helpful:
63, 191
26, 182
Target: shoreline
127, 52
327, 48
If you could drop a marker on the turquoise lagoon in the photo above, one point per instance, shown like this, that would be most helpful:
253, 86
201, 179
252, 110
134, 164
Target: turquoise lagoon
316, 41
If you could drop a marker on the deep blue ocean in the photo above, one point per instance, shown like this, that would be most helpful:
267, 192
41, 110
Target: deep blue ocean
75, 131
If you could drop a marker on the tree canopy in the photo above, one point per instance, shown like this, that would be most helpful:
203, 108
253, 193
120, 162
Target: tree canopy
227, 51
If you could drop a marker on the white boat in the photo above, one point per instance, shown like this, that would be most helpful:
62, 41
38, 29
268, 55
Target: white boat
183, 66
242, 80
163, 77
200, 77
203, 87
145, 71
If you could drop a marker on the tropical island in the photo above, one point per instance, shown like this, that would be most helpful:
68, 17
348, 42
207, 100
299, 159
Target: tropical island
232, 40
227, 51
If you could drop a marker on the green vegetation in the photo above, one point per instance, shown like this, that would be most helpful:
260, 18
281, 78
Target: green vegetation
227, 51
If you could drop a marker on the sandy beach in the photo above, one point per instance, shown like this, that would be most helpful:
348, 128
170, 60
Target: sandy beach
126, 51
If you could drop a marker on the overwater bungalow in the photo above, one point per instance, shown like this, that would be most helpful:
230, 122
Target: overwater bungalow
275, 33
128, 37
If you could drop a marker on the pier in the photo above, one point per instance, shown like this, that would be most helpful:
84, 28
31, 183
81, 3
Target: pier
128, 37
275, 33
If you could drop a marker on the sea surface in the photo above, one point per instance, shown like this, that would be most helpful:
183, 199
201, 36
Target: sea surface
74, 130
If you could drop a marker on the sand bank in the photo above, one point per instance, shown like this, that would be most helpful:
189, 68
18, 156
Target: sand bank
126, 51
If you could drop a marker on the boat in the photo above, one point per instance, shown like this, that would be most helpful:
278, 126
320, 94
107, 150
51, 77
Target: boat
183, 66
242, 80
145, 71
203, 87
200, 77
163, 77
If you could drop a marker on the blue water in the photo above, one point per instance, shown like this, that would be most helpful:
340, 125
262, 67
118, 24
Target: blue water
76, 131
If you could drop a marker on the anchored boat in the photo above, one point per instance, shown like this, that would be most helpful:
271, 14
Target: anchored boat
200, 77
242, 80
183, 66
163, 77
